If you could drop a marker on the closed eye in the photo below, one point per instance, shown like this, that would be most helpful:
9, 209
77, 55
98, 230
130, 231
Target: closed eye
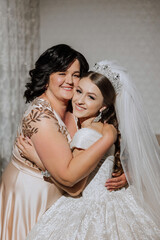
62, 74
91, 97
76, 75
78, 91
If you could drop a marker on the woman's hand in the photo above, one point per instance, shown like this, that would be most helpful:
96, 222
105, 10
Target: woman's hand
27, 150
116, 182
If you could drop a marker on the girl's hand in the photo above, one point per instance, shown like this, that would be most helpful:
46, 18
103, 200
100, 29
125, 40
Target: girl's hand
116, 182
27, 150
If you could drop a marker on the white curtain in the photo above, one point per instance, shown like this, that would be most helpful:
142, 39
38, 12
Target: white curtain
19, 48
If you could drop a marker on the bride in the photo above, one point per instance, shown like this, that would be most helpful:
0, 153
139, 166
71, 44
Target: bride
130, 213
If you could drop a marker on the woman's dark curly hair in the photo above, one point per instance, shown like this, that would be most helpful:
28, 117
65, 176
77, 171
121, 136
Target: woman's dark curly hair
55, 59
109, 114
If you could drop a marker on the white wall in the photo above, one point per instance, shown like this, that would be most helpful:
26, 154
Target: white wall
128, 31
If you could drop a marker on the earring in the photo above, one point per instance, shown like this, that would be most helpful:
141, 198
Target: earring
46, 86
98, 118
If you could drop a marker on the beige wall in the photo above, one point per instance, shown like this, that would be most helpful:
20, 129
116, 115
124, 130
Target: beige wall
125, 30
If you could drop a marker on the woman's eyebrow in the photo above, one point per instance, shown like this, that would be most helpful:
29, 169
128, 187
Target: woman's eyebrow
74, 71
77, 72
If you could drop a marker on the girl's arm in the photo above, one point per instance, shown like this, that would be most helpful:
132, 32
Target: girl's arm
117, 182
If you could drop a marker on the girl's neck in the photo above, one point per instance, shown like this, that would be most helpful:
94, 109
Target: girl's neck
87, 122
59, 106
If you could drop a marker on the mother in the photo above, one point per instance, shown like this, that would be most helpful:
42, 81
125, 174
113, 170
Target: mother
24, 193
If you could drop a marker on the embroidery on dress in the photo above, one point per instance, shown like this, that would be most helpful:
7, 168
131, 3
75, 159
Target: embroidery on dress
40, 109
36, 115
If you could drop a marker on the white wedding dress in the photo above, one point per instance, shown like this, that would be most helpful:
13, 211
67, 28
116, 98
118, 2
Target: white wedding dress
98, 214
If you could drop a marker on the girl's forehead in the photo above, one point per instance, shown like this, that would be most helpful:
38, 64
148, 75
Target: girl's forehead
87, 85
85, 81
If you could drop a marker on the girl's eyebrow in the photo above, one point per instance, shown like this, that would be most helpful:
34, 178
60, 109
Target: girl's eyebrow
87, 92
92, 93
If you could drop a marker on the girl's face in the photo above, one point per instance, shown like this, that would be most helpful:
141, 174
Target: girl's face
61, 84
87, 99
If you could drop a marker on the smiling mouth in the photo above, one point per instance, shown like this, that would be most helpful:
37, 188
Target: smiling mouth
79, 108
68, 88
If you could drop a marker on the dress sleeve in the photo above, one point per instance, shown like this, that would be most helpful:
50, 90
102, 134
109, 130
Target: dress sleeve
84, 138
30, 122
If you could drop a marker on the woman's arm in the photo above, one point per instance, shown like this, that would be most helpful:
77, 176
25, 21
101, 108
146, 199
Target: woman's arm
28, 150
56, 155
54, 150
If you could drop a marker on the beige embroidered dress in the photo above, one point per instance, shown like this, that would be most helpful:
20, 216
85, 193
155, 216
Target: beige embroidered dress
24, 194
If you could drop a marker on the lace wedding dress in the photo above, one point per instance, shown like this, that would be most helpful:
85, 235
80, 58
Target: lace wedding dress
97, 214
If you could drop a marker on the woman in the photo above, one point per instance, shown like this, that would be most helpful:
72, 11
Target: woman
24, 193
100, 214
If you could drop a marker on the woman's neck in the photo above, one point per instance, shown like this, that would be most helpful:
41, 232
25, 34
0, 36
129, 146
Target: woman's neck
59, 106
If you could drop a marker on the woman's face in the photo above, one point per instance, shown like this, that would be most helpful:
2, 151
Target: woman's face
61, 84
87, 99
